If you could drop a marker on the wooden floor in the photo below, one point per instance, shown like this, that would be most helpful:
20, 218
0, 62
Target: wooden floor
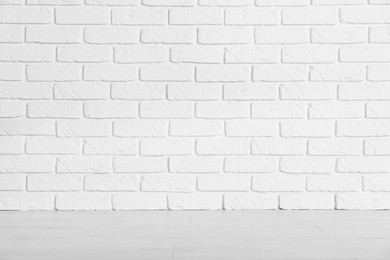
225, 235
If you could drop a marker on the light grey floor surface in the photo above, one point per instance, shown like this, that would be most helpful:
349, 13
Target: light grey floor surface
224, 235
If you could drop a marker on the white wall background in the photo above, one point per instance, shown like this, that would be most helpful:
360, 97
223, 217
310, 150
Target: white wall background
194, 104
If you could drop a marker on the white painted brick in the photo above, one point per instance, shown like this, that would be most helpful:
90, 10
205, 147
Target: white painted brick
279, 72
251, 128
197, 54
81, 91
198, 16
278, 182
282, 2
340, 109
168, 35
379, 109
26, 53
363, 128
25, 15
263, 54
334, 146
110, 72
57, 109
139, 16
23, 90
169, 2
115, 182
110, 109
195, 164
365, 14
307, 128
84, 53
310, 16
222, 146
338, 2
224, 183
360, 201
12, 109
307, 164
378, 72
252, 16
250, 91
309, 54
167, 110
271, 109
377, 164
83, 201
140, 54
364, 91
252, 164
225, 2
139, 201
195, 201
52, 145
26, 164
11, 34
281, 35
190, 91
171, 146
140, 128
112, 2
83, 128
378, 2
166, 73
12, 2
196, 128
307, 201
140, 164
222, 73
250, 201
168, 183
53, 72
83, 164
53, 34
138, 91
365, 53
224, 35
334, 182
26, 127
110, 146
338, 35
278, 146
82, 15
377, 146
111, 35
55, 2
222, 110
338, 73
12, 182
54, 182
376, 182
380, 34
26, 201
11, 72
11, 145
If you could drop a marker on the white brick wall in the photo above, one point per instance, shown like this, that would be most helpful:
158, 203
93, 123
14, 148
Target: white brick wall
194, 104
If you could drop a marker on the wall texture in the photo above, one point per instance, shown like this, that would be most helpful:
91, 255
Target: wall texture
194, 104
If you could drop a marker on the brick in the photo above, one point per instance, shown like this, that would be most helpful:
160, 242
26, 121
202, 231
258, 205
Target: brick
139, 201
376, 72
110, 109
307, 165
334, 183
57, 109
196, 128
250, 201
53, 72
366, 201
111, 35
252, 16
140, 164
83, 201
377, 146
282, 3
138, 91
222, 73
250, 91
11, 34
54, 182
83, 128
379, 34
224, 183
56, 2
162, 147
334, 146
82, 15
109, 146
278, 183
310, 16
222, 146
197, 54
379, 109
250, 164
338, 2
309, 54
363, 128
83, 164
222, 110
190, 91
52, 145
195, 164
225, 2
376, 182
53, 34
279, 73
12, 109
111, 72
140, 54
170, 73
307, 201
198, 16
27, 127
336, 73
281, 35
377, 164
364, 91
84, 53
278, 146
26, 201
195, 201
168, 183
25, 15
251, 128
169, 2
81, 91
340, 109
139, 16
307, 128
338, 35
263, 54
11, 72
174, 110
168, 35
271, 109
366, 14
26, 164
12, 182
111, 183
140, 128
365, 53
11, 145
224, 35
18, 90
112, 2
